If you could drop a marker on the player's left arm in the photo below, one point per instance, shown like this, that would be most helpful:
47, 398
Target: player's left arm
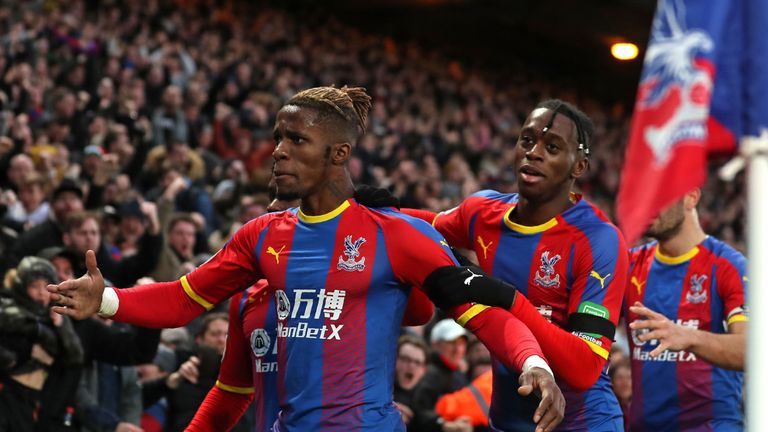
725, 350
174, 304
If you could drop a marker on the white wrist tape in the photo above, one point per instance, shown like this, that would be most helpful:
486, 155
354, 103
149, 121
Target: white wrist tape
536, 361
110, 302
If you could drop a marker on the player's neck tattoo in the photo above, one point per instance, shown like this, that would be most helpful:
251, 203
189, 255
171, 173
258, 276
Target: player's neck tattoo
340, 188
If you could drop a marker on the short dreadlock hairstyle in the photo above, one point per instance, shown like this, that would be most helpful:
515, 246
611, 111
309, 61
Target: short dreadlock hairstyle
584, 126
348, 104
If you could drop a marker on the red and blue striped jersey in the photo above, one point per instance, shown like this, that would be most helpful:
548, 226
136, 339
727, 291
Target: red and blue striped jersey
340, 283
250, 360
249, 365
702, 289
566, 265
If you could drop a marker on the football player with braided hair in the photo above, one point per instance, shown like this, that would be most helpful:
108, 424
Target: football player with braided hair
340, 273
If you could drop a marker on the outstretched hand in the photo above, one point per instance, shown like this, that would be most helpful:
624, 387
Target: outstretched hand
671, 336
79, 298
551, 408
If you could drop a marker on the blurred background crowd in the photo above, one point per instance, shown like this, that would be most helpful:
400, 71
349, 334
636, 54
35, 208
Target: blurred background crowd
143, 131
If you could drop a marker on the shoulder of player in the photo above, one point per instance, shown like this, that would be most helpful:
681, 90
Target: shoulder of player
483, 201
599, 233
402, 229
640, 254
491, 194
390, 218
723, 253
265, 220
489, 198
585, 212
646, 249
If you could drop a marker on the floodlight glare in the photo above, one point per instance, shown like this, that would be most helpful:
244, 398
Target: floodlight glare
624, 51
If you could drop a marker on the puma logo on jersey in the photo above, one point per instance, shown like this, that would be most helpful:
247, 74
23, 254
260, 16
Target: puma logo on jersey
271, 251
596, 275
468, 280
484, 246
637, 284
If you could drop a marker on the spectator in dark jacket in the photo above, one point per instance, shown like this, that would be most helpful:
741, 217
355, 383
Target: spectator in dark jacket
41, 354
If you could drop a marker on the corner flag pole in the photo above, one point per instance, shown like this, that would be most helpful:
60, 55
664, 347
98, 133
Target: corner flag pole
755, 149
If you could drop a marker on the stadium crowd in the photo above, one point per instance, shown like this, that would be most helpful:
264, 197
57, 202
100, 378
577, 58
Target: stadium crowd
143, 131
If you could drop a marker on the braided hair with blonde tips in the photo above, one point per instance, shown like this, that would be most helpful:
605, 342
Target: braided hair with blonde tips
350, 104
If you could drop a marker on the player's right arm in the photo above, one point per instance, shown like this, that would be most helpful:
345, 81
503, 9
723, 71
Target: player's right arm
166, 304
226, 402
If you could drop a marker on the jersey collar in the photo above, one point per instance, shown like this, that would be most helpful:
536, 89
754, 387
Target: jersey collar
665, 259
323, 217
525, 229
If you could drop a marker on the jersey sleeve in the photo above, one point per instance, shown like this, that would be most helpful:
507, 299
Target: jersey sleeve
235, 374
234, 268
219, 411
425, 215
454, 223
505, 336
732, 285
415, 250
599, 269
174, 304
